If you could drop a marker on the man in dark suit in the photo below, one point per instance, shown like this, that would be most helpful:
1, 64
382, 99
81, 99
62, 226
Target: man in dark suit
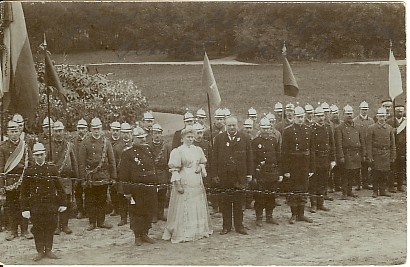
137, 180
232, 169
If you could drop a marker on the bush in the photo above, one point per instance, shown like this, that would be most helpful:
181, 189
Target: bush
90, 96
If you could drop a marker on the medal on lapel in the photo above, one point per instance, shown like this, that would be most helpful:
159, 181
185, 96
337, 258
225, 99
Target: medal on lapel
137, 160
227, 143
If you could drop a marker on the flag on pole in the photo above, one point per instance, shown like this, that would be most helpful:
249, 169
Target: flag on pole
51, 79
290, 85
395, 82
208, 81
20, 86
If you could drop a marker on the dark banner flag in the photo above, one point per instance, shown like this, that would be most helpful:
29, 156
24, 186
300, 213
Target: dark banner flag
51, 79
290, 85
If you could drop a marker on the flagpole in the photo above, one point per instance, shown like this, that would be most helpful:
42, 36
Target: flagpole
50, 151
394, 99
210, 120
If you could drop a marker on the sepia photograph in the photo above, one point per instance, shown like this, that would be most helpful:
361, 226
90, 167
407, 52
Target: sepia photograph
203, 133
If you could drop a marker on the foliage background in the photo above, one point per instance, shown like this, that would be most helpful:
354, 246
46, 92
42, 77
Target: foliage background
251, 31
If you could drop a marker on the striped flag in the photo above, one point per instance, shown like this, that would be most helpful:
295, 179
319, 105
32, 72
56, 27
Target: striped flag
19, 78
395, 82
208, 81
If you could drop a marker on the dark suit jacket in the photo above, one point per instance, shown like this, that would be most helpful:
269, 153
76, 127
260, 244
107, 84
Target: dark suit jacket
232, 161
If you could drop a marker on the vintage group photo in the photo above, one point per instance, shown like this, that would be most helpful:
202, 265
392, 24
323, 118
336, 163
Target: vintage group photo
203, 133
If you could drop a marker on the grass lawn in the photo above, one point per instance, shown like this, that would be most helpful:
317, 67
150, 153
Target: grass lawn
242, 87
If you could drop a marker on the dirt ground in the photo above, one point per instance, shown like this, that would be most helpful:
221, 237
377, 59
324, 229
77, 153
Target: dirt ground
362, 231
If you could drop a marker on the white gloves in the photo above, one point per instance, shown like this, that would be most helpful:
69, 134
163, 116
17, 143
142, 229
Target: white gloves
248, 178
62, 208
287, 175
332, 164
310, 174
203, 170
280, 178
26, 214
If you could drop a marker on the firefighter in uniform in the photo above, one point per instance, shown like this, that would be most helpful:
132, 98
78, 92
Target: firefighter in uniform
161, 152
124, 144
298, 164
44, 136
115, 140
147, 122
363, 121
96, 165
137, 181
79, 137
14, 160
399, 166
335, 183
63, 156
249, 129
288, 120
218, 126
324, 150
278, 109
309, 115
350, 151
188, 120
266, 152
381, 152
42, 198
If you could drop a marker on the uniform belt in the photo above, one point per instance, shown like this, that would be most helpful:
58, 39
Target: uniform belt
147, 173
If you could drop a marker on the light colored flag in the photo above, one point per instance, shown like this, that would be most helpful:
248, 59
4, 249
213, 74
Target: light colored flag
395, 82
208, 81
20, 85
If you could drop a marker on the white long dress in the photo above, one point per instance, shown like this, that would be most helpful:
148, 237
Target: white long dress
188, 217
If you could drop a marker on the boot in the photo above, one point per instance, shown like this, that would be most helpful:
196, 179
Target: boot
259, 215
384, 193
49, 254
39, 256
301, 215
375, 194
313, 204
24, 229
138, 240
145, 238
392, 189
270, 220
27, 235
123, 219
64, 223
91, 227
292, 219
320, 204
11, 236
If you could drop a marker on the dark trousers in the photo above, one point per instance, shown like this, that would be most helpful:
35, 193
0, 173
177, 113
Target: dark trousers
264, 201
399, 170
44, 224
79, 197
64, 216
231, 203
336, 178
380, 181
162, 200
364, 174
114, 198
122, 206
95, 202
318, 185
14, 212
349, 176
140, 222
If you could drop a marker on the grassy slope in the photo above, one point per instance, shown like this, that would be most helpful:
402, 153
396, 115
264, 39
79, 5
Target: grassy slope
260, 86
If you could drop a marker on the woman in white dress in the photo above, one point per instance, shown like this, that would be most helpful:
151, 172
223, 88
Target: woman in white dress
188, 216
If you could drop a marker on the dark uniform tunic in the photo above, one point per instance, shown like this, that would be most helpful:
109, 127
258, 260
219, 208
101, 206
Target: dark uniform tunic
96, 164
78, 188
12, 184
381, 152
266, 152
138, 178
41, 194
113, 188
298, 160
399, 166
350, 148
67, 166
232, 161
324, 150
